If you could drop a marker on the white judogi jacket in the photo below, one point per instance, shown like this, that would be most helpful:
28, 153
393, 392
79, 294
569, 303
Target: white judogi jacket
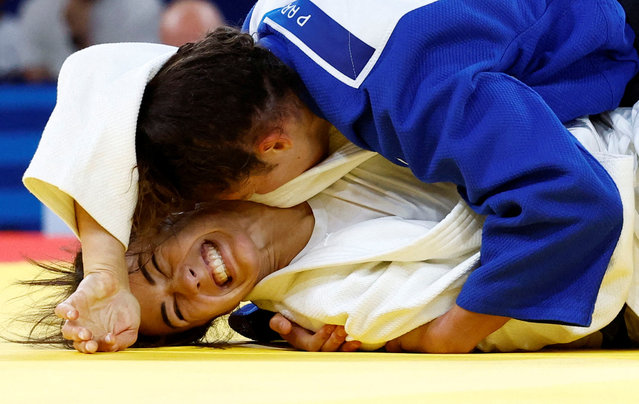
381, 278
383, 274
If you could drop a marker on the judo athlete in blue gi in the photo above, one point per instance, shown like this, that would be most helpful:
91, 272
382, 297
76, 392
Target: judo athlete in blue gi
473, 92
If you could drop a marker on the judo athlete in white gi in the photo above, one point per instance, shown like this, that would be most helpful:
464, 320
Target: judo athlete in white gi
467, 92
387, 254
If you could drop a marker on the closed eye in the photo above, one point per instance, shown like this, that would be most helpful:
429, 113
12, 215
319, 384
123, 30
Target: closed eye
178, 313
165, 316
145, 273
157, 268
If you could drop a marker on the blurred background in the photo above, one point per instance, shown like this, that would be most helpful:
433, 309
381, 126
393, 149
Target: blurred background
36, 36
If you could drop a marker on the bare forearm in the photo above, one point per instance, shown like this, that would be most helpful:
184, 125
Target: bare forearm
460, 330
457, 331
101, 252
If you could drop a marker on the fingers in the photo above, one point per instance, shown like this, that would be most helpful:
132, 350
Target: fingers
83, 342
91, 289
305, 340
109, 344
350, 346
66, 311
334, 340
81, 337
87, 347
329, 338
70, 308
75, 333
280, 325
120, 341
297, 336
96, 324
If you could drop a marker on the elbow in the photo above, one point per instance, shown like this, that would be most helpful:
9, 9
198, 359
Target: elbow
608, 210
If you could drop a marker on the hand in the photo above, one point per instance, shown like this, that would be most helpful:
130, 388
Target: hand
457, 331
100, 315
329, 338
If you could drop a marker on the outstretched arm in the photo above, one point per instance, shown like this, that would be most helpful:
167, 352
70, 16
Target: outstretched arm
457, 331
102, 314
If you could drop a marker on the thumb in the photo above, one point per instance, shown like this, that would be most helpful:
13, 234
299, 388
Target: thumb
119, 342
280, 324
66, 310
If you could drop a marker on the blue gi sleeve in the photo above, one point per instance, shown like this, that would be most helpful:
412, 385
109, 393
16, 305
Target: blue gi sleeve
553, 213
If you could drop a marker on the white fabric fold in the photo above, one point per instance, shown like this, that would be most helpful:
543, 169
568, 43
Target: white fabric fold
87, 149
379, 278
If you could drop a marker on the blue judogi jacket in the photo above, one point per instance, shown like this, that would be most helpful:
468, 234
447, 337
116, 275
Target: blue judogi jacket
474, 92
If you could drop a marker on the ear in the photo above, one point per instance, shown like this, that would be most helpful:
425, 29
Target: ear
273, 143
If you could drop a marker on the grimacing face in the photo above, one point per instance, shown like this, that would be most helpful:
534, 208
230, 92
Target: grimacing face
201, 272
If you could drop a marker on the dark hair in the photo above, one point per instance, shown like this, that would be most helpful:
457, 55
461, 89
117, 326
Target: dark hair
62, 279
200, 117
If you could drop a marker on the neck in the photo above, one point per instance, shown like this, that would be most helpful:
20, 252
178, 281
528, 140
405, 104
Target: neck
282, 233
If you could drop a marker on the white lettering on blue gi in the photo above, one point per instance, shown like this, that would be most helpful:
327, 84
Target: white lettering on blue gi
291, 10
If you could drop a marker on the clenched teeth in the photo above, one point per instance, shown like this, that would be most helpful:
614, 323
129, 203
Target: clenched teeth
213, 259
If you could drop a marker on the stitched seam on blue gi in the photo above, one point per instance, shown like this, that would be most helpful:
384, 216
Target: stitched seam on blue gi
530, 28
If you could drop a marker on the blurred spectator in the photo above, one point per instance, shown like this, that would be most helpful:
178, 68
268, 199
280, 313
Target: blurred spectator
10, 39
53, 29
186, 21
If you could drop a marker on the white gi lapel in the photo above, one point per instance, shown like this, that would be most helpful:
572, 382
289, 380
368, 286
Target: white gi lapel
457, 235
316, 179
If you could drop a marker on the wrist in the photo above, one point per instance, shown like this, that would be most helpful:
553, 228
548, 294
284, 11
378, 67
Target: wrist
101, 251
460, 330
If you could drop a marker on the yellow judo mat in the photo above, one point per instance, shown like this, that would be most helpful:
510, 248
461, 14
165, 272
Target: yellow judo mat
247, 373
